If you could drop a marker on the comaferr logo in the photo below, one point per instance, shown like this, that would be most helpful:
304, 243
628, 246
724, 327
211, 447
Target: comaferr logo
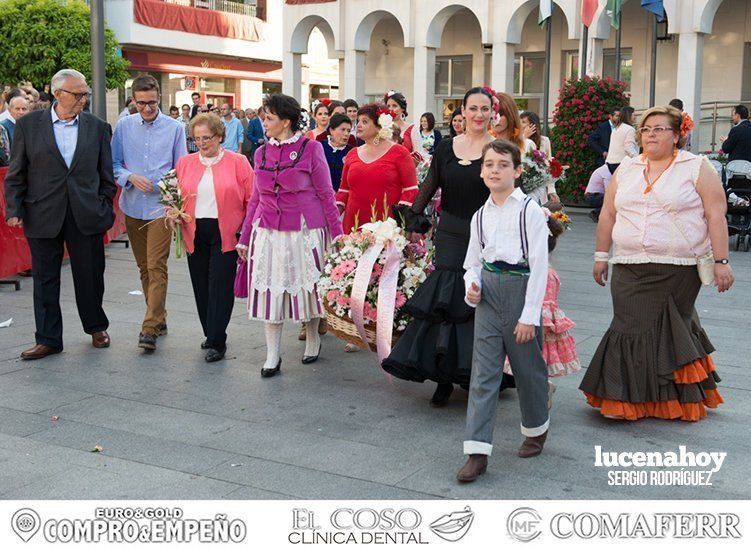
641, 525
454, 526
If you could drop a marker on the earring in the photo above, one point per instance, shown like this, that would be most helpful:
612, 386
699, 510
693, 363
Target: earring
377, 140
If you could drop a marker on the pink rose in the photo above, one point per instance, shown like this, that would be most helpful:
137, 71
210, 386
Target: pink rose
332, 296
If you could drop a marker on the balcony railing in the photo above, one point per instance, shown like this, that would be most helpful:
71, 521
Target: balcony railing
226, 6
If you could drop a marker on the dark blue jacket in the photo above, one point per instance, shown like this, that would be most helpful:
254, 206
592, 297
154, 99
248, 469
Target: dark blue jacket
599, 141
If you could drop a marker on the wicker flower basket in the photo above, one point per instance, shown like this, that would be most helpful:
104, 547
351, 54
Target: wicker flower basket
345, 329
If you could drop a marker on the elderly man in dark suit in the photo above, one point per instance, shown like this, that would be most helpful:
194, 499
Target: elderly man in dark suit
737, 145
60, 189
599, 140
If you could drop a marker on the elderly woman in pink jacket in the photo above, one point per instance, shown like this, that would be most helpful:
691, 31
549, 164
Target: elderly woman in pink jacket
217, 184
291, 219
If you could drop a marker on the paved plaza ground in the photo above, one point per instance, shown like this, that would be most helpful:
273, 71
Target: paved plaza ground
172, 426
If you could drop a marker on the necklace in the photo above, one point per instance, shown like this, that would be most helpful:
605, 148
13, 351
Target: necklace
651, 183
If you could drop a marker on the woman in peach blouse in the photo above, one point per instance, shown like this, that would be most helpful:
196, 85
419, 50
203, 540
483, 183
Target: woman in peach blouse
663, 210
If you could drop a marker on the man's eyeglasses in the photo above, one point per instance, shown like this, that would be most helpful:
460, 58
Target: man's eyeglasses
149, 104
78, 96
658, 130
204, 139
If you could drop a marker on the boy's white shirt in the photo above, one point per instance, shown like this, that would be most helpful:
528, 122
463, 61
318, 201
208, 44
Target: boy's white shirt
500, 228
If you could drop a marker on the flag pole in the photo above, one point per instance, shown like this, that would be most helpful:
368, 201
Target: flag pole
583, 60
618, 53
546, 83
653, 67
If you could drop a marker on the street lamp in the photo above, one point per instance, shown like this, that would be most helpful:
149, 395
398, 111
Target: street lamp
98, 87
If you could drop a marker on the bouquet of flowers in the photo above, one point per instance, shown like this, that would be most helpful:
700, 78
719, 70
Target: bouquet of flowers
399, 268
562, 218
539, 170
171, 196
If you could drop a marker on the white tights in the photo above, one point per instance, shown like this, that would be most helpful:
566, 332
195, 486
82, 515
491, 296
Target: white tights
273, 332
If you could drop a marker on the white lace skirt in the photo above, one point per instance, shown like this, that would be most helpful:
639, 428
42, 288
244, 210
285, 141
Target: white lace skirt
283, 273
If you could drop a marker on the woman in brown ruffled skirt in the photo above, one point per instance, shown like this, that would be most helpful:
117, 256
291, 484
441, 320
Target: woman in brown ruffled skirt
664, 215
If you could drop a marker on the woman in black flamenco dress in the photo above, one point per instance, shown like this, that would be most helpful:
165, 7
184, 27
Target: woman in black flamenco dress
437, 344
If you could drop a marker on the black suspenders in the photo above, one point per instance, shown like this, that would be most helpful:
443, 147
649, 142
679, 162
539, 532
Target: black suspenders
522, 228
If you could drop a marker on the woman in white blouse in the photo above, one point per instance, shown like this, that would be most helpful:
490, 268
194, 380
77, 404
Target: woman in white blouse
216, 185
622, 140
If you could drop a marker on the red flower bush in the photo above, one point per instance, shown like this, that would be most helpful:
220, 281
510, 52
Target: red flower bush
582, 104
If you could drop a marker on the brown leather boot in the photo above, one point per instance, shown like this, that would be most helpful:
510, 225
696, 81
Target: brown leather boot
532, 446
476, 465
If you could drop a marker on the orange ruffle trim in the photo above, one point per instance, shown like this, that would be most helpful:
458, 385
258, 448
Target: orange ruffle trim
694, 372
667, 409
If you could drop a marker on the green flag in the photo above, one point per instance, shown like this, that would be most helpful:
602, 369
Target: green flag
613, 9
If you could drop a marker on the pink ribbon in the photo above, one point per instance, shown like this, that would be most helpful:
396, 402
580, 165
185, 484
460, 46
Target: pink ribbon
386, 295
387, 302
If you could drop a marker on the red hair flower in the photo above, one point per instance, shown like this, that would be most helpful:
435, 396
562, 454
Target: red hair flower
687, 124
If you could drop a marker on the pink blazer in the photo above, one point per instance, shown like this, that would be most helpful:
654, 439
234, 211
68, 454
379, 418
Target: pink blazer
233, 184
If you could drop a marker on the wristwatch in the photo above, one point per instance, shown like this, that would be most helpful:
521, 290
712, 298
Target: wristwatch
722, 261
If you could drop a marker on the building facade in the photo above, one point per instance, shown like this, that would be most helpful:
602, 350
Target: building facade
226, 50
434, 50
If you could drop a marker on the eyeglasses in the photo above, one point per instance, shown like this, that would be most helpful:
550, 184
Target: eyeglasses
204, 139
149, 104
78, 96
657, 130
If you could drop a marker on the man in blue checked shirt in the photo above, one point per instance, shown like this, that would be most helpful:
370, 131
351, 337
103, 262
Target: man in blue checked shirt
233, 138
144, 148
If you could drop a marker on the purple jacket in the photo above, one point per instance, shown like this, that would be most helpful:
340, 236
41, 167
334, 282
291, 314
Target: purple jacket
291, 180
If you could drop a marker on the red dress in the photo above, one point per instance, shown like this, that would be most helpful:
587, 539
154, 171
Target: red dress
364, 185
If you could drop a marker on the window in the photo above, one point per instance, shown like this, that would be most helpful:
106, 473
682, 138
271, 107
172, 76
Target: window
453, 77
608, 65
269, 88
571, 64
529, 77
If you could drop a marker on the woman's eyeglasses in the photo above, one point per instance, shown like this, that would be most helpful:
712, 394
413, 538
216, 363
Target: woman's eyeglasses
204, 139
657, 130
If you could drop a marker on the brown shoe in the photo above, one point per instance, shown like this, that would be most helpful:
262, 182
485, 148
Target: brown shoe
39, 351
100, 340
323, 326
532, 446
476, 465
302, 335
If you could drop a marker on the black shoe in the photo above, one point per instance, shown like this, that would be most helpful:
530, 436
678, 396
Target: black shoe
214, 354
161, 330
271, 372
442, 395
205, 344
308, 359
147, 341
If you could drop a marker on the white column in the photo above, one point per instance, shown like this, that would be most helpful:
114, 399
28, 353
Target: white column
502, 67
689, 78
423, 95
354, 75
292, 74
594, 57
342, 72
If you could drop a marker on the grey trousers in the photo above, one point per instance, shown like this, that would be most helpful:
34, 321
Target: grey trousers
495, 319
